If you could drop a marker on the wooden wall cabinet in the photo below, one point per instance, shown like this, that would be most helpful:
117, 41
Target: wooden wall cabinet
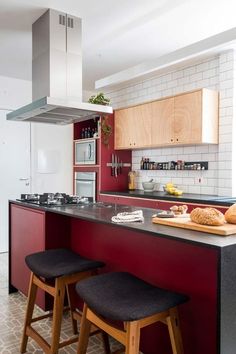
185, 119
132, 127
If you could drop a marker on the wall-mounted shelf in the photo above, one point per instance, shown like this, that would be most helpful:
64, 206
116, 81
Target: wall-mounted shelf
175, 166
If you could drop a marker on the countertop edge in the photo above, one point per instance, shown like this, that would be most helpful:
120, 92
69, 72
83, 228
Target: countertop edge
177, 234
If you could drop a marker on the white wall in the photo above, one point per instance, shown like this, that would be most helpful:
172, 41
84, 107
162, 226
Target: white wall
54, 144
53, 140
216, 73
14, 93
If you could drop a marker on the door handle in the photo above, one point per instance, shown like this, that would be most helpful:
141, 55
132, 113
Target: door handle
23, 179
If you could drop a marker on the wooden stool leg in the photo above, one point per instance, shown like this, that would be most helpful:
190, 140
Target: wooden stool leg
174, 331
105, 342
84, 332
29, 312
72, 309
133, 337
57, 314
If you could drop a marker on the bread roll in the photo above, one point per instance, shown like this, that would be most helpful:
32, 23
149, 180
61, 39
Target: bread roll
230, 214
179, 209
207, 216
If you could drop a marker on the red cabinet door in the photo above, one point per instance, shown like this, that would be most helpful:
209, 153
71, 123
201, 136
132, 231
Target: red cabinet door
27, 236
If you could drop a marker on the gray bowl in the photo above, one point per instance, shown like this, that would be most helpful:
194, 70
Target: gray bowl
148, 186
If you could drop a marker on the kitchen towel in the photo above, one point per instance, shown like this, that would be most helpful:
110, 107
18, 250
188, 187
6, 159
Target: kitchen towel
128, 217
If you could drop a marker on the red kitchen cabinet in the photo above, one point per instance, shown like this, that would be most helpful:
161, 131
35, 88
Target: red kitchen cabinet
32, 231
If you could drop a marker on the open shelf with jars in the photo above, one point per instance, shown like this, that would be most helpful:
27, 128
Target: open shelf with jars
179, 165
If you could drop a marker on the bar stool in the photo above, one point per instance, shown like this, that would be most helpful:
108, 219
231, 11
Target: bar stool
53, 271
123, 297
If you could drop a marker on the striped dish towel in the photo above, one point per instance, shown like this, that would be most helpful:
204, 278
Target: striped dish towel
128, 217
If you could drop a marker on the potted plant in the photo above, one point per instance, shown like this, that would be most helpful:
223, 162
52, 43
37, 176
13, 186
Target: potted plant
106, 128
99, 99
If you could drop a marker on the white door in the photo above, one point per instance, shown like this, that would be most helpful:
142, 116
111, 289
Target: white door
14, 168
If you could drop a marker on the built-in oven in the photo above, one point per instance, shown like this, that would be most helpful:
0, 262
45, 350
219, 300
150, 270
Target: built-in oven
85, 152
85, 185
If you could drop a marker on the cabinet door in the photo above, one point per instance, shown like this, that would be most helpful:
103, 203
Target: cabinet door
162, 126
188, 118
27, 236
124, 128
142, 126
132, 127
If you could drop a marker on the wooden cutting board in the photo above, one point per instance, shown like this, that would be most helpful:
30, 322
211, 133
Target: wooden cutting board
186, 223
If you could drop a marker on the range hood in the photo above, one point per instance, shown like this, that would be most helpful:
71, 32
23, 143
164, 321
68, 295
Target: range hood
57, 73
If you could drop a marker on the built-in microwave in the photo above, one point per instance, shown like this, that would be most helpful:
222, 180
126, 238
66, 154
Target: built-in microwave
85, 152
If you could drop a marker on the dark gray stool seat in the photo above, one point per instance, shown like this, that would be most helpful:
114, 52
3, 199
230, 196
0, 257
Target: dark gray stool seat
55, 263
65, 268
124, 297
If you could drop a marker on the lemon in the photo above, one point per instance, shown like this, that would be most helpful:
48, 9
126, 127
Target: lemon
169, 185
171, 190
178, 192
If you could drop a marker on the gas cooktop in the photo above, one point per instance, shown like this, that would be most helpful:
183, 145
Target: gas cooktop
53, 199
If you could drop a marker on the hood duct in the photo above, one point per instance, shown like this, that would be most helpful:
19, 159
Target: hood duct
57, 73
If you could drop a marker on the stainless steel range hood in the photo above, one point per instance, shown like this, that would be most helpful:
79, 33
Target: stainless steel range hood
57, 73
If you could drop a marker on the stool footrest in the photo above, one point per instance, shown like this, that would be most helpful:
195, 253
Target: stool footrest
31, 332
47, 315
68, 341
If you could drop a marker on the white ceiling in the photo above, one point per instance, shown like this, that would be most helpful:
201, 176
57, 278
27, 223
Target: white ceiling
116, 34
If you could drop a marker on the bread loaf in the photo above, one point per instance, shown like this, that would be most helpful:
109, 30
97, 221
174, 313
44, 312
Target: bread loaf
207, 216
230, 214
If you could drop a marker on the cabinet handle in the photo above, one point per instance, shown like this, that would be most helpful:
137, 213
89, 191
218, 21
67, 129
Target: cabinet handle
177, 139
171, 140
134, 143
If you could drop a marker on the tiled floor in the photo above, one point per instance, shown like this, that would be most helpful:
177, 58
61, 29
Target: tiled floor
12, 310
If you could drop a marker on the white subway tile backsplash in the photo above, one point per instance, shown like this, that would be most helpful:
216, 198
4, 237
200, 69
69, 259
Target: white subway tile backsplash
208, 190
195, 189
197, 76
189, 71
189, 149
202, 67
226, 66
177, 74
209, 73
216, 73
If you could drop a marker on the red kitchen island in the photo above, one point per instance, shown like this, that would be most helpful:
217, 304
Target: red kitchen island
201, 265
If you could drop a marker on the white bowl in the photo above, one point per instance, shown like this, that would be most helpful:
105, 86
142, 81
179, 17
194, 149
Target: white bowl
148, 186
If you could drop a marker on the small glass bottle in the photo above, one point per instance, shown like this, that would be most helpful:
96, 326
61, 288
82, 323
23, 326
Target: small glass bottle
82, 133
89, 132
85, 133
141, 163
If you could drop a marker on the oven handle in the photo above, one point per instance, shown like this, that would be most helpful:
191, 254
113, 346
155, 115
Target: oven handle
83, 182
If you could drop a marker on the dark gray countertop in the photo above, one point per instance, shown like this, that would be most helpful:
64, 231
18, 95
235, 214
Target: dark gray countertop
185, 198
102, 213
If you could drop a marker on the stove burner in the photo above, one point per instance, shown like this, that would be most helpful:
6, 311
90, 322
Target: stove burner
53, 199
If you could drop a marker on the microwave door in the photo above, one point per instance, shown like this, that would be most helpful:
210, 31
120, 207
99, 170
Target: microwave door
85, 153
